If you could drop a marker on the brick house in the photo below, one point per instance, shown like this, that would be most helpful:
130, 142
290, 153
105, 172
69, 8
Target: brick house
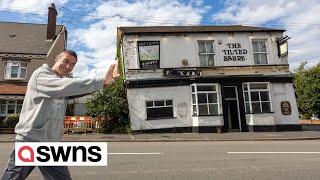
23, 48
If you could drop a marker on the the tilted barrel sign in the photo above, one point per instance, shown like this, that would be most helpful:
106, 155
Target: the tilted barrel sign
285, 107
149, 54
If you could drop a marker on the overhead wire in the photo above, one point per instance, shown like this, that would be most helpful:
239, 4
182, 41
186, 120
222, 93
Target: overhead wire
74, 16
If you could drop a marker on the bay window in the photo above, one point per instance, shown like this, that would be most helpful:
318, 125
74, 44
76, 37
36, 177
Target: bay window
10, 106
15, 70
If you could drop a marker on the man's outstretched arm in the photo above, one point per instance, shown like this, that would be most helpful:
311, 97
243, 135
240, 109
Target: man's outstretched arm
53, 87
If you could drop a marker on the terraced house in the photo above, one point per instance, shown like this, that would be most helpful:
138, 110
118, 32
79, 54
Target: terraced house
23, 48
208, 78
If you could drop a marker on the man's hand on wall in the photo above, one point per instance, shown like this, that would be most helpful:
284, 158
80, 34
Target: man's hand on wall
112, 75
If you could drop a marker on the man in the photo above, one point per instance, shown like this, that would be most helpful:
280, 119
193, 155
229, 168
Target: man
44, 106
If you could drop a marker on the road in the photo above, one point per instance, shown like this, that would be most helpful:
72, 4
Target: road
200, 160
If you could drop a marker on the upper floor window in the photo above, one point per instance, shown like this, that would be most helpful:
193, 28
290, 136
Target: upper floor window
205, 99
259, 51
149, 54
257, 97
10, 106
15, 70
206, 53
159, 109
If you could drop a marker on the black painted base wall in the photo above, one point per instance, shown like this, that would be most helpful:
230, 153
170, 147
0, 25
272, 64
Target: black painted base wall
276, 128
311, 127
201, 129
214, 129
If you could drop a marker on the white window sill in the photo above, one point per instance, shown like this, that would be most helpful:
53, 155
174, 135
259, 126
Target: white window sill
15, 79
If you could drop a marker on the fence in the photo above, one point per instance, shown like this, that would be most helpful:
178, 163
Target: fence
309, 121
310, 125
83, 124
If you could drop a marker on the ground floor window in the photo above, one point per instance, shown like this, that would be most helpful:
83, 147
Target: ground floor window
159, 109
10, 106
205, 99
257, 97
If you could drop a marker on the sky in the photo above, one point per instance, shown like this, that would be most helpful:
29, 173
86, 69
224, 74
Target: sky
92, 24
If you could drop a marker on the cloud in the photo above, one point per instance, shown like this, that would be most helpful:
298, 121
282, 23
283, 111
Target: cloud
30, 6
99, 38
99, 42
299, 17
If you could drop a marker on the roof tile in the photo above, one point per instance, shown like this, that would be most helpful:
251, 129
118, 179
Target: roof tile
25, 38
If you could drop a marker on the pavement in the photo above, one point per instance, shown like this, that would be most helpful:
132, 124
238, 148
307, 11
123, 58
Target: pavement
175, 137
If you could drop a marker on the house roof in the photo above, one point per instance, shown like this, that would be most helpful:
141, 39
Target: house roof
11, 89
194, 29
25, 38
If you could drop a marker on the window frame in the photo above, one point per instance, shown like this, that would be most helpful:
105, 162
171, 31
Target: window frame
16, 104
260, 101
164, 106
20, 67
259, 52
195, 93
206, 54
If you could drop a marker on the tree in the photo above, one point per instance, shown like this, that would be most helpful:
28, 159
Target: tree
307, 87
111, 103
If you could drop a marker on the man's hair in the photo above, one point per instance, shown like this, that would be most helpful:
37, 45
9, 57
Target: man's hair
70, 52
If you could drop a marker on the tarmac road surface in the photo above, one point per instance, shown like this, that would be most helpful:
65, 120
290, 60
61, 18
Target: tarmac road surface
292, 160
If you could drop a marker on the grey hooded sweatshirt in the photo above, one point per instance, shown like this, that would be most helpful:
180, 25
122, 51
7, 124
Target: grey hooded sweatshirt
44, 106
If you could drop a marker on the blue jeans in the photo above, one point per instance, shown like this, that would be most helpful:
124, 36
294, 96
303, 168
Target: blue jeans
22, 172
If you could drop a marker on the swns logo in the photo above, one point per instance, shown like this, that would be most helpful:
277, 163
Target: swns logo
61, 154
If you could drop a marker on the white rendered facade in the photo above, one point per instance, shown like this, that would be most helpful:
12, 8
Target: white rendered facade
236, 81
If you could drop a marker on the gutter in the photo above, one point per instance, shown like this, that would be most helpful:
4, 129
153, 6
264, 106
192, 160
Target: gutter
63, 30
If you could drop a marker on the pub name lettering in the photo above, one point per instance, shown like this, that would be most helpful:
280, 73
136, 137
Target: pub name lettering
234, 52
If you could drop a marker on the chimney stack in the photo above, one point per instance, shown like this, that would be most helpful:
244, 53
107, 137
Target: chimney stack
52, 20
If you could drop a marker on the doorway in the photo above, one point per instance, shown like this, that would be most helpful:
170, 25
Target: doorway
232, 113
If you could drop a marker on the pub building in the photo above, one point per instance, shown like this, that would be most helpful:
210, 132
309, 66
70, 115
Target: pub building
207, 79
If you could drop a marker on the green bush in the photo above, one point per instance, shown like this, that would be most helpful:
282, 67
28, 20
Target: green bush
10, 121
307, 89
112, 104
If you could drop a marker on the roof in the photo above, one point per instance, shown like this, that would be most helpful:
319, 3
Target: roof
25, 38
13, 89
194, 29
